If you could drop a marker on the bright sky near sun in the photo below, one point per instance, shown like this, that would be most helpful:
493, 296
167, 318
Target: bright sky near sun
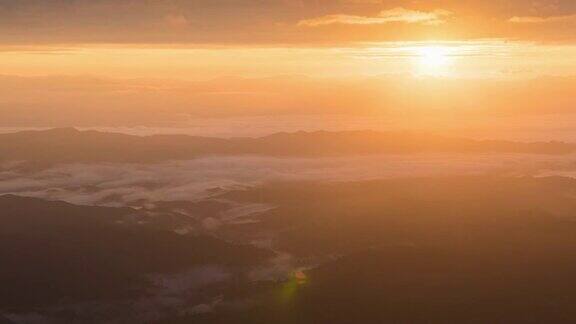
470, 59
140, 61
205, 39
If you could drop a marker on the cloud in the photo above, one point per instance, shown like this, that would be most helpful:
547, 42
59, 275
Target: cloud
183, 282
120, 184
252, 22
541, 20
400, 14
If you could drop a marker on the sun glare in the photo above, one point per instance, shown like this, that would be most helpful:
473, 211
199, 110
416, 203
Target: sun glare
433, 59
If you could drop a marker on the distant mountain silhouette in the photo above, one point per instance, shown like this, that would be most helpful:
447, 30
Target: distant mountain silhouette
71, 145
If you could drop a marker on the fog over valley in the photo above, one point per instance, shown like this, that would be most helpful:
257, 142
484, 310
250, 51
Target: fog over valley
287, 161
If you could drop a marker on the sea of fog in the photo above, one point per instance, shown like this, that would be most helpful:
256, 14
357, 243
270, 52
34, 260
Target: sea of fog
117, 184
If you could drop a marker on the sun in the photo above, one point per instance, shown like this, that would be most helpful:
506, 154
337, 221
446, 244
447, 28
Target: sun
433, 59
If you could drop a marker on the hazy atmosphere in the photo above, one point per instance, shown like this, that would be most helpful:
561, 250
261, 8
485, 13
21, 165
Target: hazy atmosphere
287, 161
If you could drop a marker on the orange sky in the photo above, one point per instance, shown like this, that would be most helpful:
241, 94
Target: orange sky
293, 22
203, 39
464, 59
120, 60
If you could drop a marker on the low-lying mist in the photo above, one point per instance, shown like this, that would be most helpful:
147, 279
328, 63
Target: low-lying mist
118, 184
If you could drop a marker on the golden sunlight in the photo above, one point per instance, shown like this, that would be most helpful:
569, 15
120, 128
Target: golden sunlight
433, 59
287, 161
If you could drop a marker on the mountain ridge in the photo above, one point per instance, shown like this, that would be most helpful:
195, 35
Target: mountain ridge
73, 145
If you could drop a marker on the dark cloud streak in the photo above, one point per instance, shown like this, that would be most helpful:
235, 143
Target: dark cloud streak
255, 22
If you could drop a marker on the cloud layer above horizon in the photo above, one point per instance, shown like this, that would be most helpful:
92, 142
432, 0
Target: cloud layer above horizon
250, 22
